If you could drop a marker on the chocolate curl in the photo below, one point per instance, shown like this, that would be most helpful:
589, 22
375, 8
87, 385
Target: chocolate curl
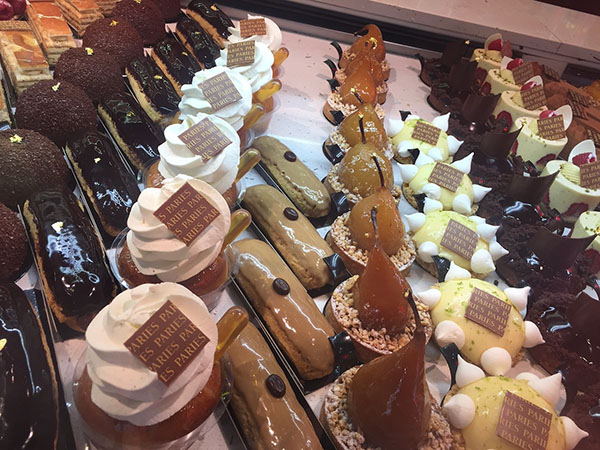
331, 66
337, 115
559, 252
583, 315
442, 265
338, 49
333, 152
497, 145
453, 52
344, 352
529, 189
451, 353
462, 75
478, 108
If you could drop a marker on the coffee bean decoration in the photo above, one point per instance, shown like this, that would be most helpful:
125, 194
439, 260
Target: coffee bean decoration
281, 286
290, 213
290, 156
275, 385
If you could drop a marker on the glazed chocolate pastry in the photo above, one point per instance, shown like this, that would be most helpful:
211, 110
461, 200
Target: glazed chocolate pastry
198, 41
153, 90
131, 127
175, 62
69, 257
211, 18
28, 388
101, 173
263, 401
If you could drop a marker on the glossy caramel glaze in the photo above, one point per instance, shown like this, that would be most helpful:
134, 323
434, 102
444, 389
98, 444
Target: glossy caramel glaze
179, 63
28, 390
155, 85
205, 49
111, 187
133, 125
213, 15
268, 422
72, 260
293, 319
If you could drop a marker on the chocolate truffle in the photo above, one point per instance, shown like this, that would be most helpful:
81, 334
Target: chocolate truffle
170, 9
117, 37
145, 16
57, 109
28, 162
13, 243
93, 70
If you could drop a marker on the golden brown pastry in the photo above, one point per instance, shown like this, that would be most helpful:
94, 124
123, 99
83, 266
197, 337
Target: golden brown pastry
288, 311
291, 233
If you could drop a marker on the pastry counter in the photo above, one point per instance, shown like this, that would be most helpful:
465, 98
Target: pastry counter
306, 249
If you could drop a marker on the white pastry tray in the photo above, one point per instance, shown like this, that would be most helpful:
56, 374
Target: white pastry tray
299, 123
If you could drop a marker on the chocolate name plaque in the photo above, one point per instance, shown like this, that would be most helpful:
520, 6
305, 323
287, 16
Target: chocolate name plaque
205, 139
220, 91
167, 342
488, 311
240, 54
523, 424
426, 132
187, 214
460, 239
446, 176
253, 27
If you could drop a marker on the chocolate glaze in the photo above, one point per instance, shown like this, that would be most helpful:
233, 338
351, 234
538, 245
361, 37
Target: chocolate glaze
72, 260
180, 64
115, 189
155, 85
213, 15
134, 126
28, 390
205, 49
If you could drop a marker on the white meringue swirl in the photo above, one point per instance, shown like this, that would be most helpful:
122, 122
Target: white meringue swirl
259, 72
272, 39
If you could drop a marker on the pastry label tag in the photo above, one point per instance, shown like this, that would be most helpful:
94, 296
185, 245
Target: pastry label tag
534, 98
523, 73
488, 311
187, 213
426, 132
446, 176
167, 342
594, 136
523, 424
552, 128
551, 73
589, 175
253, 27
460, 239
220, 91
240, 54
577, 108
205, 139
578, 98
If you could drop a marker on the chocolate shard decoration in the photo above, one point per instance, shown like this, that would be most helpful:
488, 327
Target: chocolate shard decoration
339, 203
414, 154
331, 66
404, 114
333, 153
343, 352
451, 353
462, 75
583, 315
453, 52
529, 189
443, 266
338, 116
420, 200
557, 251
497, 145
478, 108
337, 268
333, 83
338, 49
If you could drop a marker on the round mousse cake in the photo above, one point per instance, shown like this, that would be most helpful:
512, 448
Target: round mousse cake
29, 162
93, 70
145, 16
117, 37
56, 109
170, 9
13, 243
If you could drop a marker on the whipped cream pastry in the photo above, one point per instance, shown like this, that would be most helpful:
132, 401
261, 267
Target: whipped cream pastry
176, 158
272, 39
475, 408
194, 101
155, 250
259, 72
122, 386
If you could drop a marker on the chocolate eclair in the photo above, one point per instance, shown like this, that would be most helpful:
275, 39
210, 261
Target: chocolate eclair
198, 41
131, 127
153, 90
211, 18
111, 189
263, 400
69, 257
27, 376
175, 61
